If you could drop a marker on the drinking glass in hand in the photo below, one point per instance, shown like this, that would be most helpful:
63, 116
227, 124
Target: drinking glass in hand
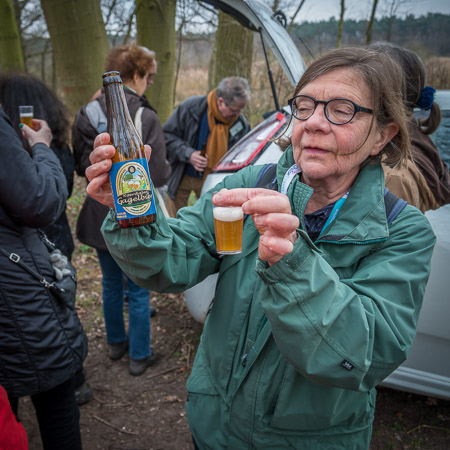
228, 222
26, 115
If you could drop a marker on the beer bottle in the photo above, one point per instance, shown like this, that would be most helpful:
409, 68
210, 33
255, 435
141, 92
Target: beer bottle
203, 153
129, 175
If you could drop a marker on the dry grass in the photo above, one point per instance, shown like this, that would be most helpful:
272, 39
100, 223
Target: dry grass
191, 81
194, 81
438, 72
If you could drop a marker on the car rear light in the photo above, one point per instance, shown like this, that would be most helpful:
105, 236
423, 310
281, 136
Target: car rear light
241, 154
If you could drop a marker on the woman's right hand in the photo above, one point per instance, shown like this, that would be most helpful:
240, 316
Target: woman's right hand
99, 187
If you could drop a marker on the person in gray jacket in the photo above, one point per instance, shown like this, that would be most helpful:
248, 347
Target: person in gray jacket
199, 132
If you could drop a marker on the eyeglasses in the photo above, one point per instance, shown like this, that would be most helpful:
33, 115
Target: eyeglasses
338, 111
233, 110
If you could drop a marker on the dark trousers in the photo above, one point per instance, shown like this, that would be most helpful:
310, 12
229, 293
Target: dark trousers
58, 416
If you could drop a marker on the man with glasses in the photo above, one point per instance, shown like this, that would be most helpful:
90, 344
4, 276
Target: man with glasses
199, 133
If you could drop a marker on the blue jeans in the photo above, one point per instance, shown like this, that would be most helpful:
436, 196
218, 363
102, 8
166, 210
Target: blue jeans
138, 308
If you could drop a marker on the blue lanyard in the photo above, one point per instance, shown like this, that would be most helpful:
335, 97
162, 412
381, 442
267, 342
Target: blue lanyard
337, 206
289, 176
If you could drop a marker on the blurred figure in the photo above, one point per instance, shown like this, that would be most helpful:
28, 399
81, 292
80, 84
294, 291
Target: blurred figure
42, 342
137, 66
199, 132
424, 179
24, 89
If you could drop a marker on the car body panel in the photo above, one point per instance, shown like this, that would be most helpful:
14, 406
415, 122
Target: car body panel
427, 369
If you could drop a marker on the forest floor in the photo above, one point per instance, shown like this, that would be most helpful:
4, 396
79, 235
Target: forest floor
148, 412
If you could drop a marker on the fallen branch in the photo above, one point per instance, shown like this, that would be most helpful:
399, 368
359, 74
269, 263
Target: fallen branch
428, 426
113, 426
161, 373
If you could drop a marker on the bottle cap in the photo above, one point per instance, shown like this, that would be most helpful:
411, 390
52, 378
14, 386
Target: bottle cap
111, 77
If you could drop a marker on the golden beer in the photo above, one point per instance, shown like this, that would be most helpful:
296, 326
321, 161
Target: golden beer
26, 114
228, 222
27, 119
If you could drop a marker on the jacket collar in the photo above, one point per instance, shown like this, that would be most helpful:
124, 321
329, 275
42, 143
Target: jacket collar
362, 218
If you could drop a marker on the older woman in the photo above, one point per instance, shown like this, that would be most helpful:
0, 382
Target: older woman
322, 303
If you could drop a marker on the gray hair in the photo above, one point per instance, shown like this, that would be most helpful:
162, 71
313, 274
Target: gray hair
233, 88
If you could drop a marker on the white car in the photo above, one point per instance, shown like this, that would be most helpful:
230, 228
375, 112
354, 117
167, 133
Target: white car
427, 369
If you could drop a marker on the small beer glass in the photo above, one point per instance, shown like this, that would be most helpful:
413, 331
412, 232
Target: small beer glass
228, 223
26, 115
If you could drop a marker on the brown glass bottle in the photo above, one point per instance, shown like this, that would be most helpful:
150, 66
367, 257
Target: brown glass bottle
129, 175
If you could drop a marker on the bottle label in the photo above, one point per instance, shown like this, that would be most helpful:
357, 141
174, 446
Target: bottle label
133, 195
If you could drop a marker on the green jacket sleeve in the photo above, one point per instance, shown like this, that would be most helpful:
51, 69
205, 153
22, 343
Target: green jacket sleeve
170, 255
349, 331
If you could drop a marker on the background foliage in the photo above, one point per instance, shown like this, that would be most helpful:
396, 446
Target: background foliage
194, 69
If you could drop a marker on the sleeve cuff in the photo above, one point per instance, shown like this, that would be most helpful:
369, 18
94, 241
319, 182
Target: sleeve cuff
291, 262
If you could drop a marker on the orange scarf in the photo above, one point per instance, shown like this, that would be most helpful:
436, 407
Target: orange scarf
217, 143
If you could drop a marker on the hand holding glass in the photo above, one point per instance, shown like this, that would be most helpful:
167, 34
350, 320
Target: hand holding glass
26, 115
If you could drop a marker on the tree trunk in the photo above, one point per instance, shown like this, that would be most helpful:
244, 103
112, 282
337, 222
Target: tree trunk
79, 42
370, 24
233, 51
155, 22
341, 25
11, 57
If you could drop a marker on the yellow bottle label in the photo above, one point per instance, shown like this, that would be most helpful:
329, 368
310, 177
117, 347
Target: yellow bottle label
133, 195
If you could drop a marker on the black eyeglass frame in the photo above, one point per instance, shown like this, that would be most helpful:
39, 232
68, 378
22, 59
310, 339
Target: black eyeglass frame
356, 107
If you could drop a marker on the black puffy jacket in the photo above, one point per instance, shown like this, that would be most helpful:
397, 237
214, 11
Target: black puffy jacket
42, 343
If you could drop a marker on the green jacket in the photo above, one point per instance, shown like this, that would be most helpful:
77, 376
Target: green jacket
290, 354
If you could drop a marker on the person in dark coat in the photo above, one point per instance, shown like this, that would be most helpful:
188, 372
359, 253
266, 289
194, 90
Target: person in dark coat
199, 132
42, 342
137, 66
24, 89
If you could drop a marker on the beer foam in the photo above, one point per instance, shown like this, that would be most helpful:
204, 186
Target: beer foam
227, 214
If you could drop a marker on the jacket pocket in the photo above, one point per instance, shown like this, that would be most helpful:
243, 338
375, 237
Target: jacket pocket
303, 405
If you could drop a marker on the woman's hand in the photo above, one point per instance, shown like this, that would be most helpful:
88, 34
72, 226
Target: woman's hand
271, 212
39, 134
99, 187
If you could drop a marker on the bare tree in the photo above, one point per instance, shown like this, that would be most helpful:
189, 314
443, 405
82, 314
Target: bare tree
11, 57
233, 48
370, 24
80, 44
392, 9
341, 24
155, 21
119, 18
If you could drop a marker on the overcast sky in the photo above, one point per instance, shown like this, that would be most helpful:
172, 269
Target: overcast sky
316, 10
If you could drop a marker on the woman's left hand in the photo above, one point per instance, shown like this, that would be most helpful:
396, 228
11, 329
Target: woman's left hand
271, 212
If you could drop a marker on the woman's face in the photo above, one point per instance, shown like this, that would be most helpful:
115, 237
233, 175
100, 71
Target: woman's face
140, 84
329, 153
